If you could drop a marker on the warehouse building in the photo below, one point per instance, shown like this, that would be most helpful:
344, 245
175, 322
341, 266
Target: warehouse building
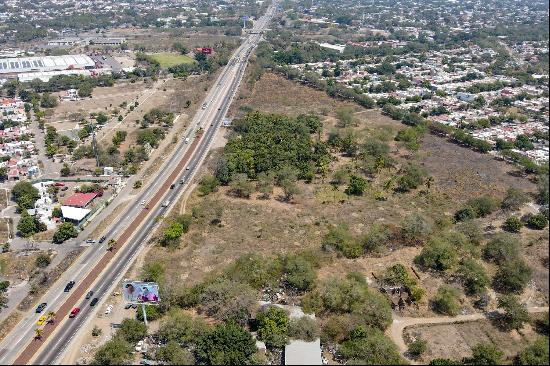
15, 66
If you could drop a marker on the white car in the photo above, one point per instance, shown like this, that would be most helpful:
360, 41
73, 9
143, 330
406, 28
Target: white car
109, 310
143, 203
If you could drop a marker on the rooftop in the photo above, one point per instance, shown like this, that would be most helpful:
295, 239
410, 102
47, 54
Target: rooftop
80, 199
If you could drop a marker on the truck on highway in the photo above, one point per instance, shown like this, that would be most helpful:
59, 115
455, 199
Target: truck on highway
166, 203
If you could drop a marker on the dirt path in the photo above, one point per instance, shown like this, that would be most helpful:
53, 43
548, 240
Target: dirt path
395, 332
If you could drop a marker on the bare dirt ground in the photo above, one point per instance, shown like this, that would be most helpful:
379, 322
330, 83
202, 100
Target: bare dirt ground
455, 340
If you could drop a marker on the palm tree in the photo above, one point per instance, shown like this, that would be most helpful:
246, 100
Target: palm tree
51, 317
38, 333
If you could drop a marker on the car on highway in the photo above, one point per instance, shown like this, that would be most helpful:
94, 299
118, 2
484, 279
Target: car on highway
102, 239
173, 185
41, 320
41, 307
89, 295
143, 203
204, 105
187, 140
68, 286
187, 168
74, 312
94, 301
182, 180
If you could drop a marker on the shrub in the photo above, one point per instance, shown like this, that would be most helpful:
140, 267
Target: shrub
376, 239
512, 276
226, 344
513, 224
273, 326
417, 348
438, 254
208, 184
412, 177
304, 328
514, 199
415, 229
537, 222
369, 346
446, 300
501, 248
339, 238
535, 354
515, 313
226, 300
43, 260
485, 354
357, 186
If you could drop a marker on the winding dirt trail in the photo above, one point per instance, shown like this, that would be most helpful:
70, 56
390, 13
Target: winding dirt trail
395, 332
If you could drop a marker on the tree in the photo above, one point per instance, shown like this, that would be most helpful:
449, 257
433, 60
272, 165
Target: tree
48, 101
180, 328
65, 170
417, 348
339, 238
3, 173
24, 194
501, 248
153, 272
132, 330
266, 181
345, 117
474, 277
226, 344
485, 354
514, 199
512, 276
172, 234
304, 328
85, 90
117, 351
38, 333
369, 346
446, 300
42, 261
229, 301
513, 224
26, 225
298, 272
357, 186
535, 354
273, 326
111, 244
515, 313
241, 186
179, 47
412, 176
438, 254
173, 354
290, 189
208, 184
101, 118
51, 316
65, 232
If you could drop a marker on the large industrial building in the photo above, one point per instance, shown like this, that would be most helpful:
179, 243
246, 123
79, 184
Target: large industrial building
12, 67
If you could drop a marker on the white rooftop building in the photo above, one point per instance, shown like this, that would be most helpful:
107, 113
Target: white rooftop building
19, 65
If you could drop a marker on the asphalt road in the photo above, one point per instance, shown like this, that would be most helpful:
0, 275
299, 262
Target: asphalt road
96, 270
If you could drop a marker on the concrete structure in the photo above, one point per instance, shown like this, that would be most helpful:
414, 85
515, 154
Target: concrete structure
47, 75
20, 65
107, 41
335, 47
303, 353
74, 214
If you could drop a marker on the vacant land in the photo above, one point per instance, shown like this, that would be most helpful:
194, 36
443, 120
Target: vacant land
166, 59
273, 226
454, 341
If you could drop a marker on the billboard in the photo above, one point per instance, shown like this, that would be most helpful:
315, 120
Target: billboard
206, 50
137, 292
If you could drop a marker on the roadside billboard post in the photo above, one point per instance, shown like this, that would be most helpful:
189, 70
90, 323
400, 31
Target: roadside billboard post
141, 293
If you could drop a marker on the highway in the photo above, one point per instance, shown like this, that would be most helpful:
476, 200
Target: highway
96, 270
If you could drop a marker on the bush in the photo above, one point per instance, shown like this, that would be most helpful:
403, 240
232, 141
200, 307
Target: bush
415, 229
485, 354
272, 325
229, 301
298, 272
537, 222
357, 186
338, 238
376, 239
513, 224
501, 248
417, 348
438, 254
515, 313
412, 177
208, 184
115, 352
369, 346
512, 276
42, 261
173, 354
535, 354
446, 300
514, 199
304, 328
477, 207
474, 277
226, 344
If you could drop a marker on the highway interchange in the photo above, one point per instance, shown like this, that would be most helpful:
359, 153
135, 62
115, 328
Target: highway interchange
100, 270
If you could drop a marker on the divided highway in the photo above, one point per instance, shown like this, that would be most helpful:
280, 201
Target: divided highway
98, 269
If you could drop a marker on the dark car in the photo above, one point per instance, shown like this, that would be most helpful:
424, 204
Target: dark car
69, 286
94, 301
102, 239
41, 307
89, 295
172, 186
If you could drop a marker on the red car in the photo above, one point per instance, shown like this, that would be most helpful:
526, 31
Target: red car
74, 312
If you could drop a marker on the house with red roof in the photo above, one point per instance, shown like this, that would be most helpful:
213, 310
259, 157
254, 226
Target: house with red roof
80, 199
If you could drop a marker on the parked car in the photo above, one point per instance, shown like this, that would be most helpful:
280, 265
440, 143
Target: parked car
89, 295
109, 310
94, 301
74, 312
41, 307
69, 286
